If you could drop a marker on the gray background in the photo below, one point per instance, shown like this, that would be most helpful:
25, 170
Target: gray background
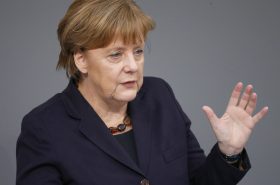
202, 48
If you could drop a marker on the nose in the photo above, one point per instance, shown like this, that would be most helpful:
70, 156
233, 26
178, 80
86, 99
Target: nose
130, 63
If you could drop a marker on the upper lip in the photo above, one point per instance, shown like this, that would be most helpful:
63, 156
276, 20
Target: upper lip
128, 81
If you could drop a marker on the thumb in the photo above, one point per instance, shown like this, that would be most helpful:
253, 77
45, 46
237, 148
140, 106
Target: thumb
212, 117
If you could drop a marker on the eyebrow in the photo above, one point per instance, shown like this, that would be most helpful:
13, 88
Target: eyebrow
123, 47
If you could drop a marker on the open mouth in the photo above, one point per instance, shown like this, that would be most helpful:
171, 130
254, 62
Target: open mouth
129, 84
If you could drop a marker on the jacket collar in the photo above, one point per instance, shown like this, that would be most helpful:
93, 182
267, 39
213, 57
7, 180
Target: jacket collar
94, 129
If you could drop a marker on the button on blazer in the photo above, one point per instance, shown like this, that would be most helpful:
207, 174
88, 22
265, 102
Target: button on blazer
64, 142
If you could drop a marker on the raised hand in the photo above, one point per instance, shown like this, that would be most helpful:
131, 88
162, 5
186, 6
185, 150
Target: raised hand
234, 128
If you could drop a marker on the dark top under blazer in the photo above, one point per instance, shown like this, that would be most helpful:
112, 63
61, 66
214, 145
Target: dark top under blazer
64, 141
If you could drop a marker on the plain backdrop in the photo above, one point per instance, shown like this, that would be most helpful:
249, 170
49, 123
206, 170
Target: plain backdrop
201, 47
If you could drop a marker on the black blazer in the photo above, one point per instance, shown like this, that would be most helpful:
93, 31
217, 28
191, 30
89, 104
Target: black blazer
64, 141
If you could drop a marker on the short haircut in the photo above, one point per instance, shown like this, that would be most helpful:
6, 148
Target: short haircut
92, 24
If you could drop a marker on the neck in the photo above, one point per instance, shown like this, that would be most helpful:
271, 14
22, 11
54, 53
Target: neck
111, 112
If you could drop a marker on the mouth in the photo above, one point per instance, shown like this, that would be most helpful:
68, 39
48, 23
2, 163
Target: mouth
129, 84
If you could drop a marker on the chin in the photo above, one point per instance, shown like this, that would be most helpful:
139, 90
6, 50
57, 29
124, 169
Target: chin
127, 97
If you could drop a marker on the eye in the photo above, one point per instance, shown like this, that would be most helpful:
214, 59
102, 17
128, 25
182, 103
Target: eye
115, 55
138, 51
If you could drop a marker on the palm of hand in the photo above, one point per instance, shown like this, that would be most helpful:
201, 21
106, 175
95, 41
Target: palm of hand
234, 128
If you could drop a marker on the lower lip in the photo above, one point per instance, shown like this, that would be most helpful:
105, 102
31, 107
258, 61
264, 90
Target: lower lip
129, 84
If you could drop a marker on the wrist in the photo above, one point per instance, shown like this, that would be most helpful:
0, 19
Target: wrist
228, 150
231, 159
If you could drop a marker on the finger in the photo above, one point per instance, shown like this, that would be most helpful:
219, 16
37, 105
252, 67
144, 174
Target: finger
212, 117
245, 96
260, 115
252, 104
235, 94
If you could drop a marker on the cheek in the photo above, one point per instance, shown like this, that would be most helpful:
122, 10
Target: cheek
105, 78
140, 75
140, 82
141, 67
103, 71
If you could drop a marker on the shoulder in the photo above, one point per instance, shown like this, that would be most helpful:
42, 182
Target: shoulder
46, 109
157, 86
37, 138
159, 92
154, 81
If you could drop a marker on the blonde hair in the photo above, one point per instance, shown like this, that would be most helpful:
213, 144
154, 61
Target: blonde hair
91, 24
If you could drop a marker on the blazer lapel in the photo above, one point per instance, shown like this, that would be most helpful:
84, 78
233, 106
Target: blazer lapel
142, 129
93, 128
97, 132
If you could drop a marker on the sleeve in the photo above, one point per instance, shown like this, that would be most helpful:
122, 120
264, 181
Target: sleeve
213, 169
34, 155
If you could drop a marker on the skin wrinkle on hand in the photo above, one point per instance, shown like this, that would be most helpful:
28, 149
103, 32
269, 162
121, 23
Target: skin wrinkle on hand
234, 128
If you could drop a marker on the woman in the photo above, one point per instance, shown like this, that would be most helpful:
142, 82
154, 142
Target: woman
112, 126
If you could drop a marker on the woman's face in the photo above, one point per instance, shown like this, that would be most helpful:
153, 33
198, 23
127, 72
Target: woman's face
116, 71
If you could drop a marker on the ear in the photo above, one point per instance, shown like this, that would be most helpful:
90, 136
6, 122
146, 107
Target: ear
80, 61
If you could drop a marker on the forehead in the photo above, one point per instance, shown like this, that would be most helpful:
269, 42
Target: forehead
116, 44
120, 43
